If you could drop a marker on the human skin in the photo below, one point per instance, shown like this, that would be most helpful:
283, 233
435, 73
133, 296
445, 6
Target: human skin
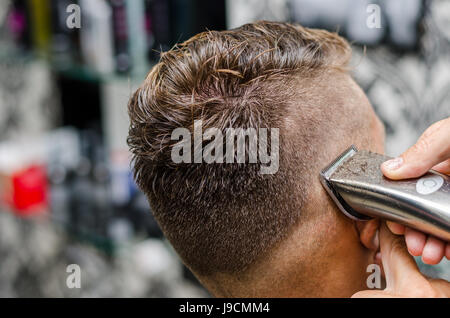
403, 278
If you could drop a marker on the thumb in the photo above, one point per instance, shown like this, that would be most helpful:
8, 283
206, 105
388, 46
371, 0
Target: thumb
432, 148
400, 269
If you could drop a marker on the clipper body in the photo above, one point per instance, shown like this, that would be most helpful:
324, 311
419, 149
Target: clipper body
357, 186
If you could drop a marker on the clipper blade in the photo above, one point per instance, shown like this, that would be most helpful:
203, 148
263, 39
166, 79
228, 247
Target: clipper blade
325, 175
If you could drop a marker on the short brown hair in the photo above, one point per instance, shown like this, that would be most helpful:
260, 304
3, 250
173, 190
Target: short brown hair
222, 217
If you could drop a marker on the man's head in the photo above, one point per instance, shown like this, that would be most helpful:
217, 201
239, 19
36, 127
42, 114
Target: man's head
241, 232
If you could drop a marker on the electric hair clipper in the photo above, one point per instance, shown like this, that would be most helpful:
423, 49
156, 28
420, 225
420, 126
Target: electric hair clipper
356, 184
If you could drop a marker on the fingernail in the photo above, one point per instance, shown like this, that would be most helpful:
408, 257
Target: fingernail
393, 164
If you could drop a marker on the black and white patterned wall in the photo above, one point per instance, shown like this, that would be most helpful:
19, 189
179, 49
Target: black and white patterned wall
410, 90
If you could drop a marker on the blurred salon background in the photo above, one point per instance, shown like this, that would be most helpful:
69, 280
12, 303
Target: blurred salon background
67, 70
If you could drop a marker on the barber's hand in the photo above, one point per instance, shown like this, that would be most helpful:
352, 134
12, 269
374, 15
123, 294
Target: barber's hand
432, 151
403, 278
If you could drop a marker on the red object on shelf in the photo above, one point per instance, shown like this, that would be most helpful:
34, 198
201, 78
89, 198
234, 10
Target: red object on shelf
29, 190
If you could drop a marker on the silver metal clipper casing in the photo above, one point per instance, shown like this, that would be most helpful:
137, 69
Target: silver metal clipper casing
356, 184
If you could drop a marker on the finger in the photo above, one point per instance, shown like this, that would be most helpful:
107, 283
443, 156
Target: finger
433, 252
400, 268
432, 148
447, 251
396, 228
373, 294
415, 241
443, 167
